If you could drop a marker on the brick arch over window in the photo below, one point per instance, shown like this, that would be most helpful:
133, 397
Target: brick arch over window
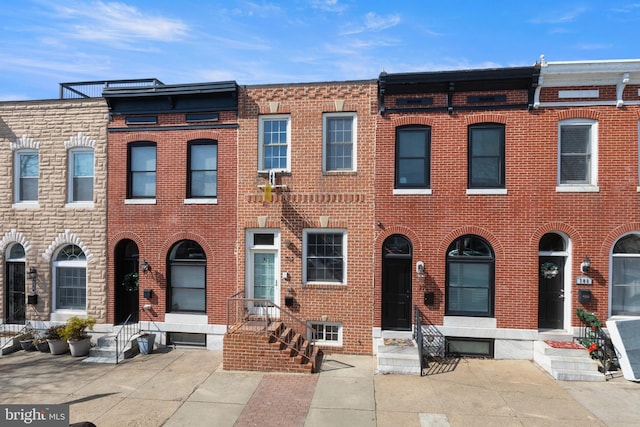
486, 118
66, 238
578, 114
25, 142
498, 250
554, 227
614, 236
411, 120
178, 237
80, 140
401, 230
202, 134
140, 136
14, 236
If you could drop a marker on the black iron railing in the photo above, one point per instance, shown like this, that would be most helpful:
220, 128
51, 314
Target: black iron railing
93, 89
431, 346
597, 341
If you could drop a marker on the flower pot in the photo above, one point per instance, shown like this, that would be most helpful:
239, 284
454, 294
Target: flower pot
80, 348
42, 346
145, 343
58, 346
27, 345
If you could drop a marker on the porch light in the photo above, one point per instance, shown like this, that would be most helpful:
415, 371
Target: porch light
586, 265
145, 266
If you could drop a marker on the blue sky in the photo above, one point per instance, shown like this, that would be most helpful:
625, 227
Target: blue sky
44, 42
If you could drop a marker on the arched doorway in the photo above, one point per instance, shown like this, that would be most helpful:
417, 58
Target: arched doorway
552, 256
14, 309
126, 257
396, 283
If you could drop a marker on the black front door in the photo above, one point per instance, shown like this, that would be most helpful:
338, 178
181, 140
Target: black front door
126, 255
15, 299
550, 292
396, 294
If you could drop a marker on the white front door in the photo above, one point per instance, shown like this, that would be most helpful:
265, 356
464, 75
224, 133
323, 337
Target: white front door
263, 284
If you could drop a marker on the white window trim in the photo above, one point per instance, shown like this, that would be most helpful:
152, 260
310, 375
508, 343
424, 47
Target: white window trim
354, 138
203, 201
261, 121
305, 234
592, 186
16, 179
70, 161
610, 290
54, 287
140, 201
326, 343
486, 191
411, 191
638, 187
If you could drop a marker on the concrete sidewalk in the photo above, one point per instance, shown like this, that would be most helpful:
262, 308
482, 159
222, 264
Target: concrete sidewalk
189, 388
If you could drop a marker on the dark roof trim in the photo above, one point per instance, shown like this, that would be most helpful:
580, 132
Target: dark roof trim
169, 128
165, 90
512, 73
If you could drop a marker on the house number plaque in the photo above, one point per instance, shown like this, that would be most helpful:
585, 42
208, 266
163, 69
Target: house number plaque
584, 280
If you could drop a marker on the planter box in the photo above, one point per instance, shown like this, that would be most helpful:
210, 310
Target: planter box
42, 346
80, 348
58, 346
27, 345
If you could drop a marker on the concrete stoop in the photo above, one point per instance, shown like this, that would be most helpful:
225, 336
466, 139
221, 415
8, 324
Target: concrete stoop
397, 359
566, 364
105, 350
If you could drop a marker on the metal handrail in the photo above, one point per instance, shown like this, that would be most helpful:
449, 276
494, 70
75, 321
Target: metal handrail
263, 319
129, 329
419, 339
9, 331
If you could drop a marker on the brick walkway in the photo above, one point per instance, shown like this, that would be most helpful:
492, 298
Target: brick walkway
279, 400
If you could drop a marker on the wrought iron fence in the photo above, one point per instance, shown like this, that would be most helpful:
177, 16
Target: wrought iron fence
597, 341
431, 346
93, 89
127, 330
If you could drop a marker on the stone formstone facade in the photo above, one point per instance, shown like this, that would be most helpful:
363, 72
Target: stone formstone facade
53, 127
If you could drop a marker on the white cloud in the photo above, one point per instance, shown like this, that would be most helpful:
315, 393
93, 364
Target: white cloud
115, 22
375, 22
328, 5
557, 17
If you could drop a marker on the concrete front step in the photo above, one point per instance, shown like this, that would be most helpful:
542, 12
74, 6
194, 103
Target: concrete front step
105, 350
566, 364
393, 359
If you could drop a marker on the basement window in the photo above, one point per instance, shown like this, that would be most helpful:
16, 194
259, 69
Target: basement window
184, 338
327, 333
469, 347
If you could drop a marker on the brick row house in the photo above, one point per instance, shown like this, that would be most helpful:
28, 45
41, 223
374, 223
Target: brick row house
491, 202
506, 199
53, 210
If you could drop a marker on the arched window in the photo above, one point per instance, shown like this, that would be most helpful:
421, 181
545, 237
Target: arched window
187, 272
470, 278
625, 277
70, 278
552, 242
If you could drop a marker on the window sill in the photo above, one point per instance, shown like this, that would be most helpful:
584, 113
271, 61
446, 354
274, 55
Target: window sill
469, 322
325, 285
340, 173
26, 205
79, 205
486, 191
411, 191
140, 201
62, 315
203, 201
577, 189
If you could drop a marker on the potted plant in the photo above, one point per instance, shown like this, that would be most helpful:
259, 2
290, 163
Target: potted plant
75, 333
57, 344
41, 344
26, 339
145, 342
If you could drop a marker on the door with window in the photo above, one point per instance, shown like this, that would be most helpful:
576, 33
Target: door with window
263, 284
396, 284
552, 256
15, 285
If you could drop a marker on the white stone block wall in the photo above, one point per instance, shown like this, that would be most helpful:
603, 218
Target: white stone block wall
54, 125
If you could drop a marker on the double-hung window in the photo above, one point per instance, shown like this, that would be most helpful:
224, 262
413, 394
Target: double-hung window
577, 159
70, 276
339, 142
413, 157
203, 169
81, 167
142, 170
486, 156
275, 143
26, 176
324, 254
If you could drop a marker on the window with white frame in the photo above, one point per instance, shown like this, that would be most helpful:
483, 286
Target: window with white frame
26, 176
324, 255
625, 276
70, 278
577, 153
326, 333
339, 141
187, 278
275, 143
81, 175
